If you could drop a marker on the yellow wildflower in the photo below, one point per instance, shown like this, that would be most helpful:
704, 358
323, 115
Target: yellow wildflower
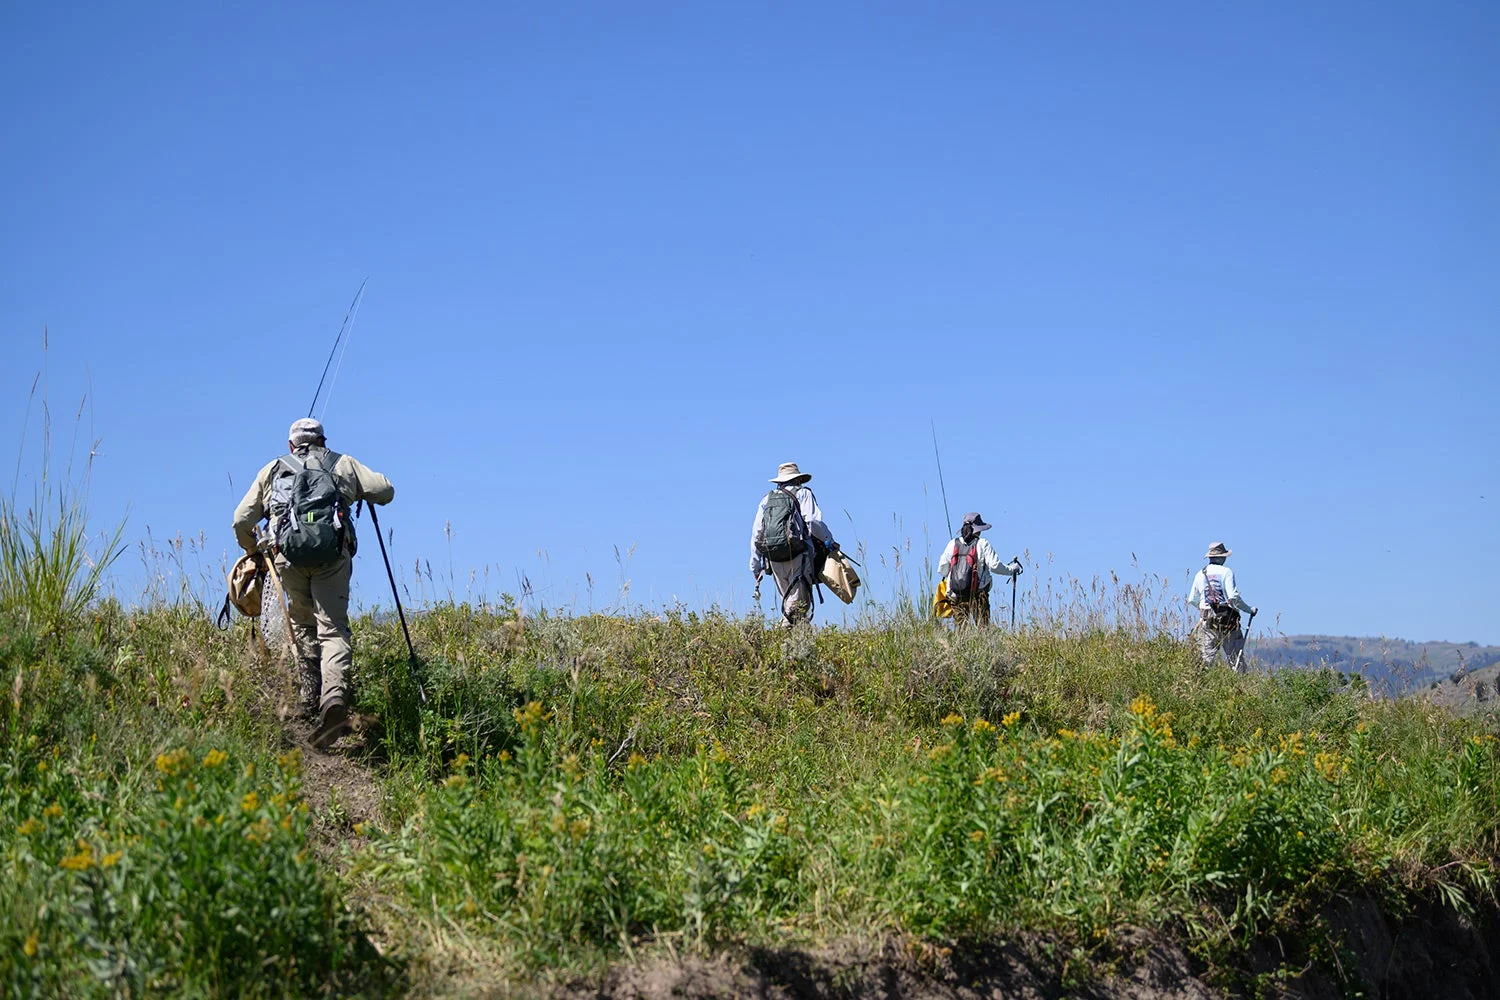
505, 756
32, 942
459, 761
81, 861
359, 829
953, 719
214, 758
32, 825
173, 762
250, 802
559, 822
977, 836
111, 859
291, 761
53, 811
579, 828
455, 781
1143, 706
531, 717
636, 760
755, 810
41, 767
983, 726
1011, 718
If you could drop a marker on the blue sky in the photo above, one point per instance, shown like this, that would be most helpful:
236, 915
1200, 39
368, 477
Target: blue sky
1163, 274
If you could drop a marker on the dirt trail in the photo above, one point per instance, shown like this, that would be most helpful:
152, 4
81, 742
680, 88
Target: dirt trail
340, 791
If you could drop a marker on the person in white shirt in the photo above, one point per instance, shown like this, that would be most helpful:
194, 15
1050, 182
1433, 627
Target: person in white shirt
1219, 604
785, 539
969, 564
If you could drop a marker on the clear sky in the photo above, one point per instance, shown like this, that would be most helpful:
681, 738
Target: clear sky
1163, 274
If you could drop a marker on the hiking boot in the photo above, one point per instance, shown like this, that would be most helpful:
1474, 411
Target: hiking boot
333, 723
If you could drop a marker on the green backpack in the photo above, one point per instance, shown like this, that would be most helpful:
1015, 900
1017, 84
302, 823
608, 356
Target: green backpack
312, 521
785, 535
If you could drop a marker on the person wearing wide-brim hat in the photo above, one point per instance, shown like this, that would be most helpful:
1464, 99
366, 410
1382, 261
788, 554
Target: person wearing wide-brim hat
969, 564
1219, 604
786, 539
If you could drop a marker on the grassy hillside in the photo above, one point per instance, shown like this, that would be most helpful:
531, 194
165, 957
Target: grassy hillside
583, 791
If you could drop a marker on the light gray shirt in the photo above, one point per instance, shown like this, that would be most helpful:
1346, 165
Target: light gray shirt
987, 562
1198, 596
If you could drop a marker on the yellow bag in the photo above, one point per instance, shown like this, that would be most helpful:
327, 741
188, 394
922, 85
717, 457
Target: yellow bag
839, 577
245, 579
941, 606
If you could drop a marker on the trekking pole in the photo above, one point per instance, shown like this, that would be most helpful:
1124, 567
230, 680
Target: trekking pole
410, 650
1240, 655
1013, 578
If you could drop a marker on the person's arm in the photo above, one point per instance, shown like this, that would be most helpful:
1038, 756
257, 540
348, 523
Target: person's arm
1195, 593
369, 484
251, 511
992, 560
1232, 593
758, 536
813, 515
945, 560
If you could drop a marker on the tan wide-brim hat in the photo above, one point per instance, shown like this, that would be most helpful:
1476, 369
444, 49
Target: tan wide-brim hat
787, 473
1218, 550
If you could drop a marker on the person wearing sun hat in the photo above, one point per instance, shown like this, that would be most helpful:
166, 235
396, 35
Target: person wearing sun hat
1219, 604
317, 596
969, 564
785, 540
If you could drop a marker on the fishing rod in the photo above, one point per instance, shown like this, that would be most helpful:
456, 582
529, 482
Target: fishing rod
347, 327
946, 516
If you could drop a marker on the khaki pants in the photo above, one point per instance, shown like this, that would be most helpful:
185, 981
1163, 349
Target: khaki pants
318, 599
975, 609
794, 582
1211, 643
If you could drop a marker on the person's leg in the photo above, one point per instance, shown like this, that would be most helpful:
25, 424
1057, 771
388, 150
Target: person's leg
1234, 645
792, 582
303, 612
982, 607
1208, 644
330, 592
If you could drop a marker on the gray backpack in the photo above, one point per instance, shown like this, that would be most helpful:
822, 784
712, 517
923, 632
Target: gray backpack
786, 532
309, 518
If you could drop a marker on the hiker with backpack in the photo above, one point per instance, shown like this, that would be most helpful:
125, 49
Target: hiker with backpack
969, 564
788, 538
307, 495
1219, 604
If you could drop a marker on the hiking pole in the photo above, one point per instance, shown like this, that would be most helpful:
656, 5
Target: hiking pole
1013, 578
1240, 655
410, 650
946, 516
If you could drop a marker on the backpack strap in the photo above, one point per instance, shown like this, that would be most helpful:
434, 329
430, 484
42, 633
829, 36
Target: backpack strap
291, 463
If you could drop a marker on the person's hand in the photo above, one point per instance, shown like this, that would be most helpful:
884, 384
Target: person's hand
1015, 564
1254, 612
833, 546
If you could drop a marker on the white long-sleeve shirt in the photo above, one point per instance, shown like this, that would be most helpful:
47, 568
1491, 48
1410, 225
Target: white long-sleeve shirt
987, 561
811, 513
1198, 596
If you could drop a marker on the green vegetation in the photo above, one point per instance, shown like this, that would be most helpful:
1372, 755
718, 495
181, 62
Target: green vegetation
579, 790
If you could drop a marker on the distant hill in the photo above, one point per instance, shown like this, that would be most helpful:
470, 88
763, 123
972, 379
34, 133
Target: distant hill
1392, 666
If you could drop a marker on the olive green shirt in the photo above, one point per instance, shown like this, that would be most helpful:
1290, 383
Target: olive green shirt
356, 482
